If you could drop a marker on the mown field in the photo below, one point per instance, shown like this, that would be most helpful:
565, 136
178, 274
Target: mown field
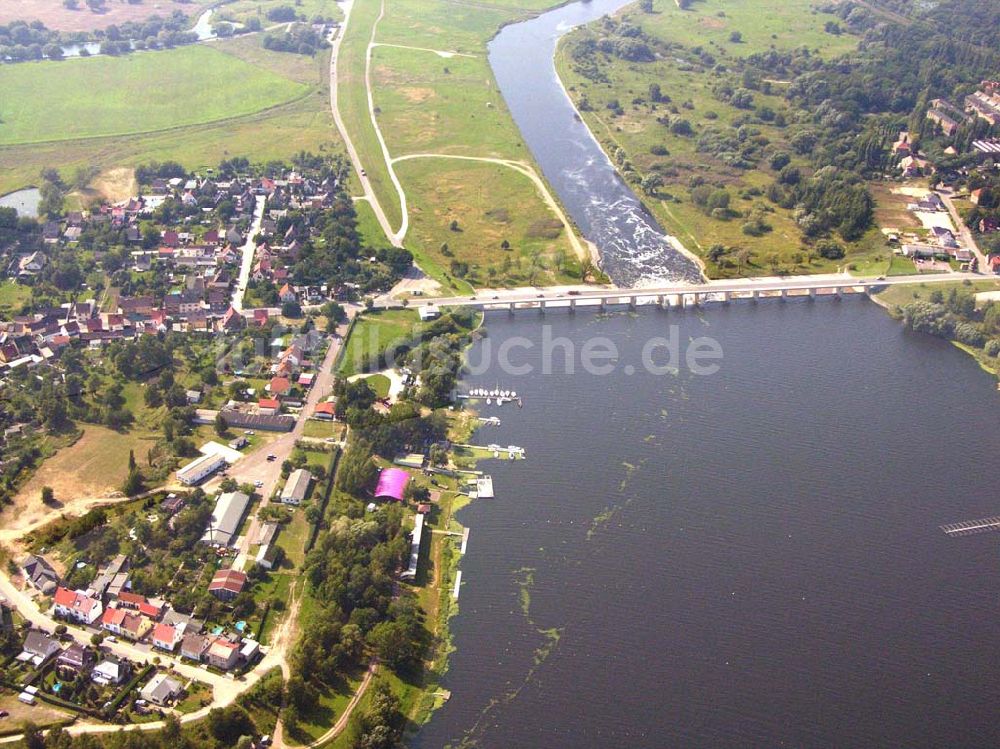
302, 122
491, 204
429, 103
620, 113
138, 93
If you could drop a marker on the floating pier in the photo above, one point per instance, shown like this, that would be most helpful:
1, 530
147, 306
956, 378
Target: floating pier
458, 582
465, 541
972, 527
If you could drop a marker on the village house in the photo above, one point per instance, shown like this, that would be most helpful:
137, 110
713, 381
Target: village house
223, 654
268, 406
39, 574
74, 661
110, 670
193, 646
160, 690
296, 487
165, 637
76, 605
227, 584
38, 647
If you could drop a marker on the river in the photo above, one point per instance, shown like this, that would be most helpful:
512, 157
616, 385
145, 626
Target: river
751, 558
633, 247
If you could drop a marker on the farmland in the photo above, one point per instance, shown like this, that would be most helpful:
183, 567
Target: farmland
290, 114
104, 96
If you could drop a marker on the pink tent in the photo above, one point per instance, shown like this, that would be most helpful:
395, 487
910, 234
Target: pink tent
391, 484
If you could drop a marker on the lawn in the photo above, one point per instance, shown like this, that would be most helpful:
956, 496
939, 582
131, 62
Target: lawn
12, 296
320, 429
917, 292
380, 384
491, 204
372, 333
93, 466
138, 93
302, 123
783, 24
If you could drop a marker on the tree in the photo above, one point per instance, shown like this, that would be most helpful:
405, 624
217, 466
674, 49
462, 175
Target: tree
655, 93
71, 4
48, 495
453, 225
736, 37
133, 483
220, 424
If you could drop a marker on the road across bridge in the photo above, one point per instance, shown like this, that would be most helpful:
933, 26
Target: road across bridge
682, 294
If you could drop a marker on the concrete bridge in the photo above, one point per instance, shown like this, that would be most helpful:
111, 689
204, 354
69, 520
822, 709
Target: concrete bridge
683, 295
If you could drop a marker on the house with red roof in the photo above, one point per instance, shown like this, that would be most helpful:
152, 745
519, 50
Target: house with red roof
227, 584
77, 605
287, 294
268, 406
170, 238
223, 654
166, 637
325, 410
279, 386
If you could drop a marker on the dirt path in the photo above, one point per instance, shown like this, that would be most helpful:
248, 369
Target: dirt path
352, 152
397, 238
439, 52
583, 251
341, 723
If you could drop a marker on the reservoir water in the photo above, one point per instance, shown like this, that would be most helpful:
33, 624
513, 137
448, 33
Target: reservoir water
750, 558
634, 250
25, 201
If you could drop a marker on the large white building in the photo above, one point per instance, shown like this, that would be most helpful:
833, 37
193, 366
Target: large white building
296, 487
200, 468
226, 518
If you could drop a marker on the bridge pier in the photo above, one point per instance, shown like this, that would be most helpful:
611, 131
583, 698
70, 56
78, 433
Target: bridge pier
572, 306
784, 294
510, 308
836, 293
812, 295
659, 300
631, 302
726, 297
753, 295
603, 305
541, 307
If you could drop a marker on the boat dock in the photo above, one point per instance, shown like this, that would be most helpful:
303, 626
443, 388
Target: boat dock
465, 541
458, 582
972, 527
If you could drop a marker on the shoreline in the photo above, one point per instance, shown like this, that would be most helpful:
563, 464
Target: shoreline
672, 240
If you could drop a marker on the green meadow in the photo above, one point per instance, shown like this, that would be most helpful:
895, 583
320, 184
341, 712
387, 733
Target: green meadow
301, 120
138, 93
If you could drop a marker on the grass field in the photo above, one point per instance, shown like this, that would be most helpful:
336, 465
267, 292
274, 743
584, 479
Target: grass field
12, 296
303, 123
353, 103
55, 15
492, 204
137, 93
783, 24
95, 465
636, 131
373, 332
242, 10
428, 103
918, 292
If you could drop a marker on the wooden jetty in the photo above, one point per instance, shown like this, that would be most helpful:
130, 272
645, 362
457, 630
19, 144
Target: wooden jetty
971, 527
